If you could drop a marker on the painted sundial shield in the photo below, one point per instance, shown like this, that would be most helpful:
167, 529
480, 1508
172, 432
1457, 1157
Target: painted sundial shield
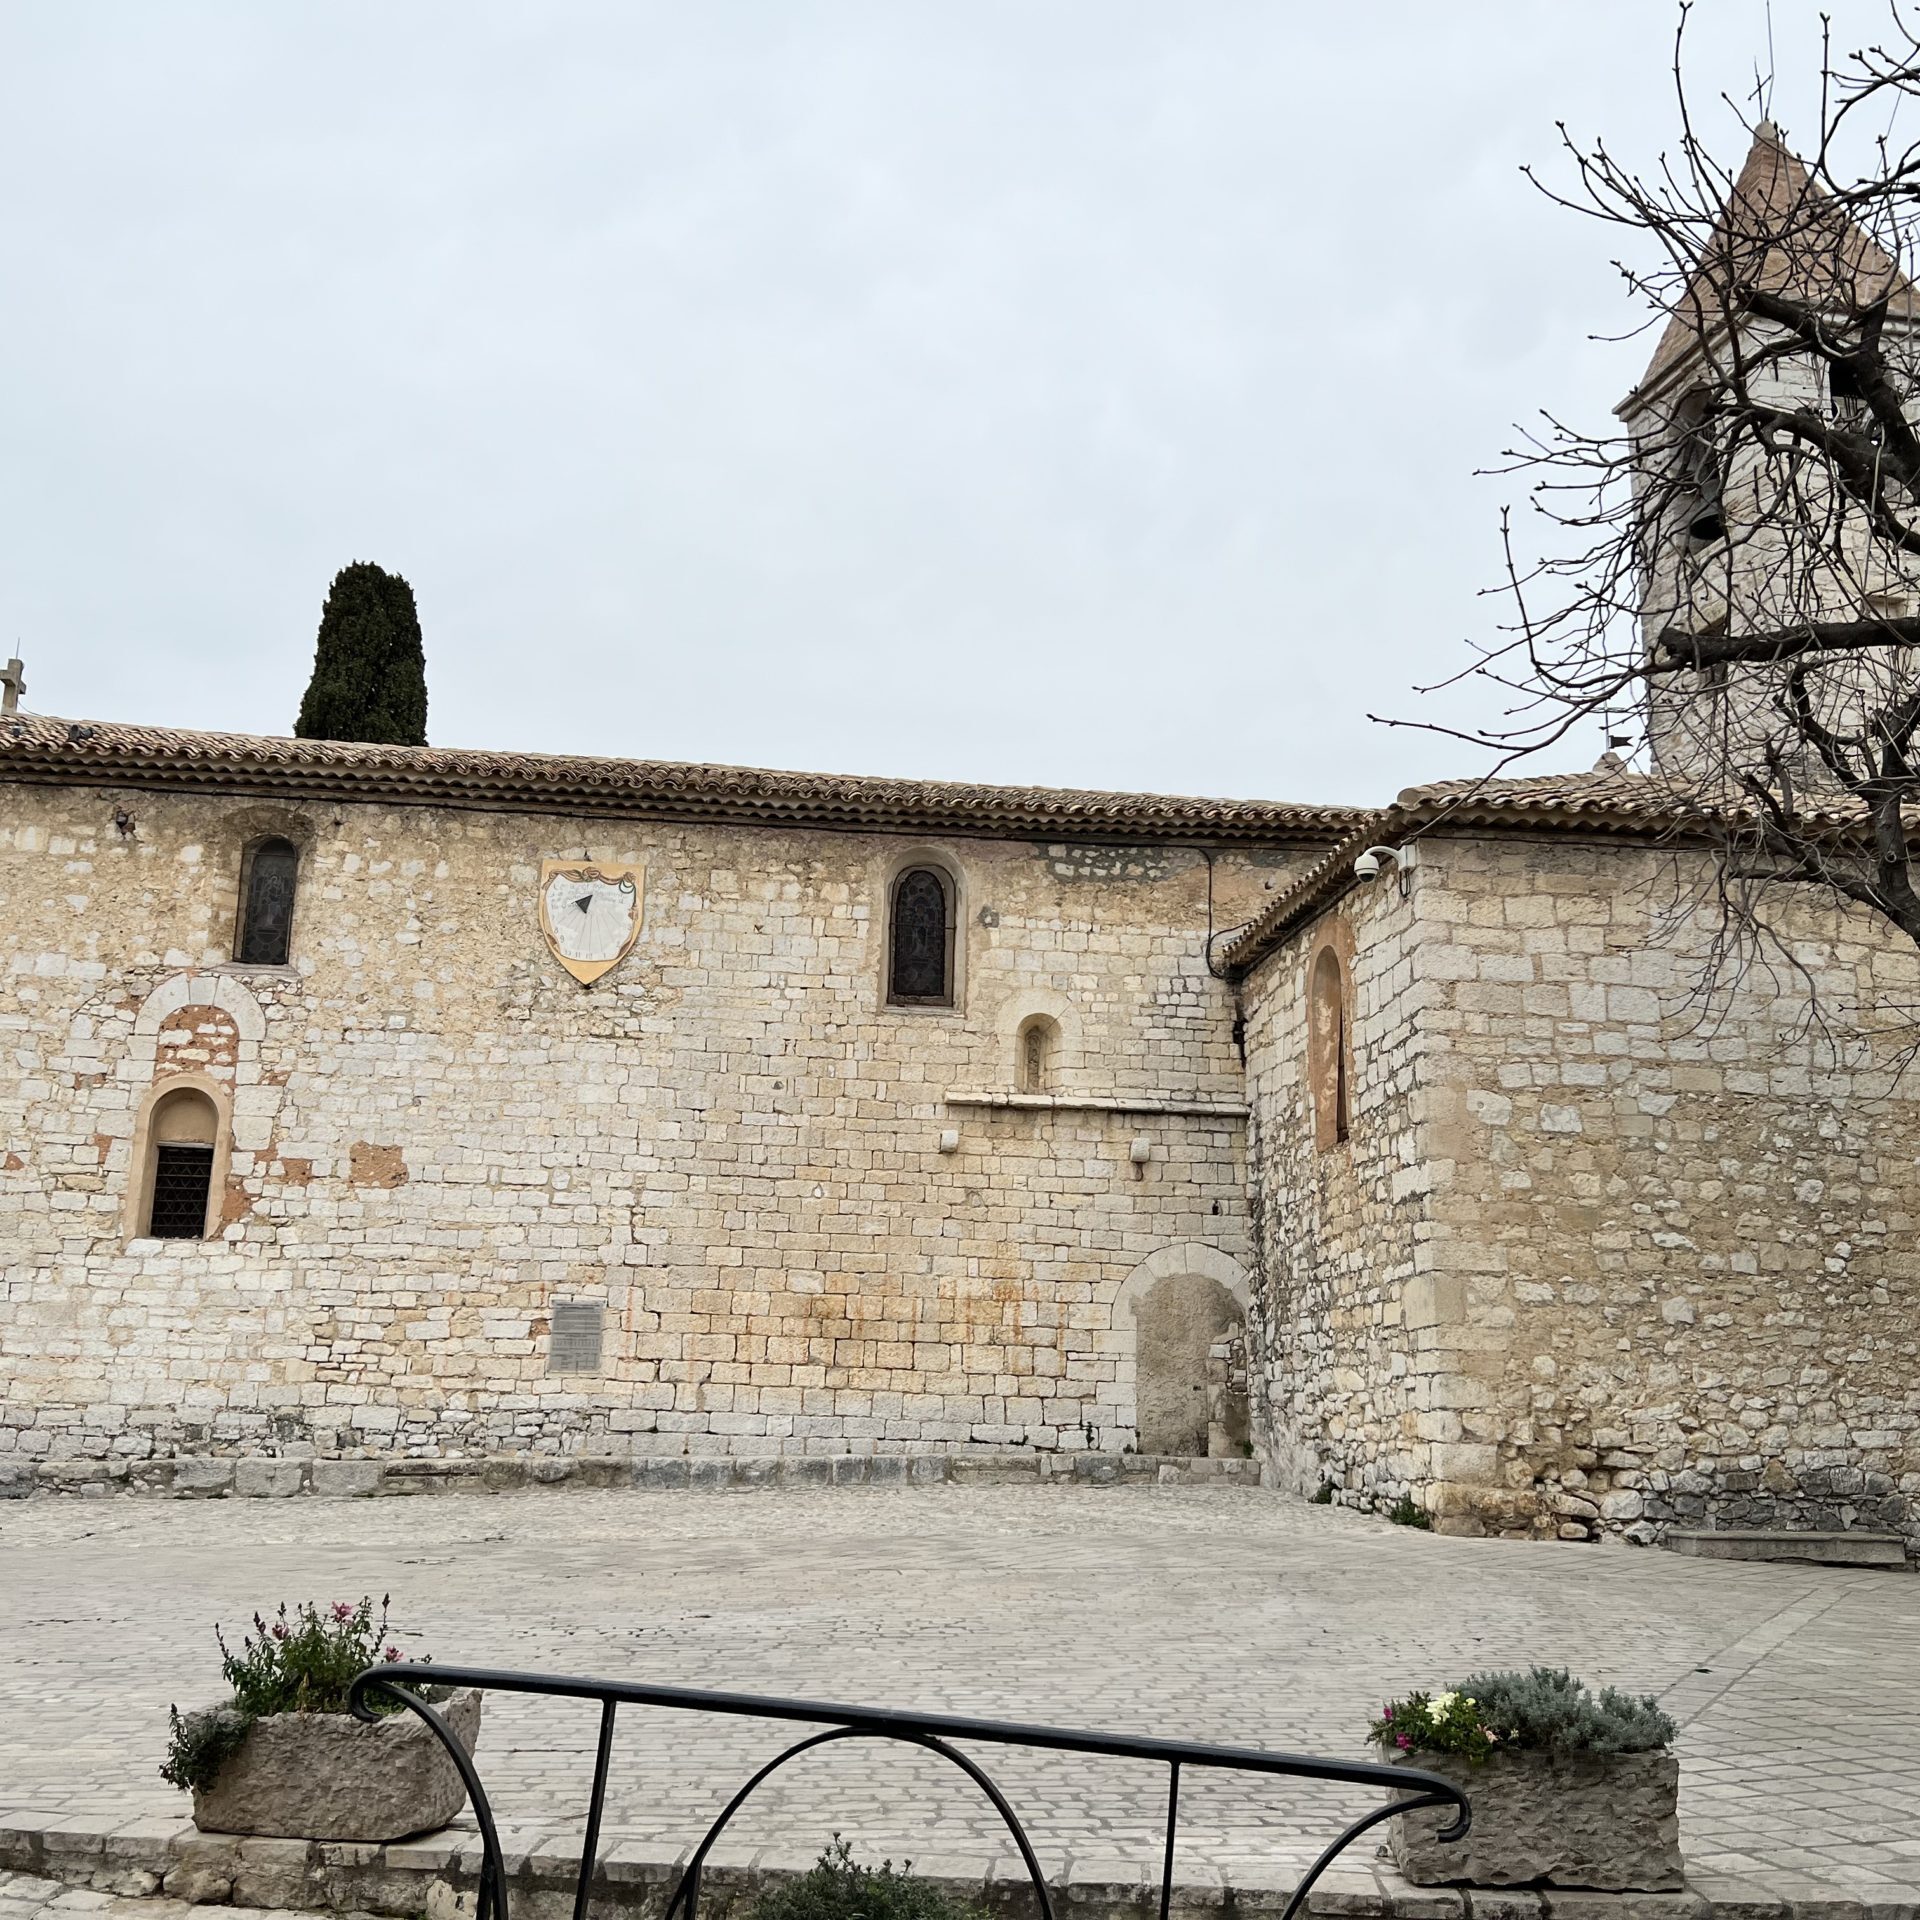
590, 914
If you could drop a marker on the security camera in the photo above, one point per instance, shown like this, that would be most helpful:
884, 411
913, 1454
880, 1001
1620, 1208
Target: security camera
1367, 866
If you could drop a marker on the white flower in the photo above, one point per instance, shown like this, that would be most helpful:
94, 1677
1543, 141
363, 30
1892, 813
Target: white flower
1442, 1703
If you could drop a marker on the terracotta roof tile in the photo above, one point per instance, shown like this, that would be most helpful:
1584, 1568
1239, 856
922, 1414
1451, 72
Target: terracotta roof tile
1610, 802
1615, 790
74, 752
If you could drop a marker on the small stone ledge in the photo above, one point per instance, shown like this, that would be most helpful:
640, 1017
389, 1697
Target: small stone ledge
432, 1873
1098, 1103
1821, 1548
198, 1477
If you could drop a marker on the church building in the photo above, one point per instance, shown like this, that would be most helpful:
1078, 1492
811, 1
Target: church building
406, 1102
392, 1103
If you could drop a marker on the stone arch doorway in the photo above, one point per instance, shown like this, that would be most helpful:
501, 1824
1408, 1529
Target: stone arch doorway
1186, 1309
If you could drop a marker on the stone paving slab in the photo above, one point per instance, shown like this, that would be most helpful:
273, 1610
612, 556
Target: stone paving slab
1228, 1613
25, 1896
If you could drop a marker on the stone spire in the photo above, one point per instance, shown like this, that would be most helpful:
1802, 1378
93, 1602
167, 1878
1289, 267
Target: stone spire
1772, 203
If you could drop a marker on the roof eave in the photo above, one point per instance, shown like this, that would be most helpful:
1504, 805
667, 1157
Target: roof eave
1332, 876
84, 755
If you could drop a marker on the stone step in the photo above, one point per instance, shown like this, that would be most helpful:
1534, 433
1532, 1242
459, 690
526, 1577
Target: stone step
1825, 1549
436, 1874
214, 1477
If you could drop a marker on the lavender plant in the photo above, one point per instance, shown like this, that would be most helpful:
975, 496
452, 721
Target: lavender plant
1545, 1708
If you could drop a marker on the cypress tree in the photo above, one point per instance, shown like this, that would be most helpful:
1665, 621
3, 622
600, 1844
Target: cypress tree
369, 663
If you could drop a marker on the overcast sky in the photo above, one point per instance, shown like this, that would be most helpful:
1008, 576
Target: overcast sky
1077, 393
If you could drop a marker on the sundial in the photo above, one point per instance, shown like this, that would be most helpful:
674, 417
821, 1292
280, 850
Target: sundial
590, 914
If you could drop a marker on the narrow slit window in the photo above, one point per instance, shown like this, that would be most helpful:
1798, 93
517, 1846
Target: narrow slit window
1036, 1044
1712, 677
920, 949
1328, 1043
266, 912
1700, 487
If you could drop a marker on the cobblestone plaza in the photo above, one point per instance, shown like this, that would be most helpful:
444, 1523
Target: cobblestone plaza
1230, 1614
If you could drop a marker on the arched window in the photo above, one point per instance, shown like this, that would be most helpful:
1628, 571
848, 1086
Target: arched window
1034, 1060
1699, 489
266, 904
183, 1130
920, 940
1328, 1044
1850, 408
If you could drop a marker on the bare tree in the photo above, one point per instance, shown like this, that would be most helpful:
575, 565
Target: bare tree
1735, 568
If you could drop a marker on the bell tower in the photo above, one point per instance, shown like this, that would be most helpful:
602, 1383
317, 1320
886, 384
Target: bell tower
1765, 496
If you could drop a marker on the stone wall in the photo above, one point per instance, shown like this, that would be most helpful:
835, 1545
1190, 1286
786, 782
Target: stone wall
1343, 1383
1597, 1257
729, 1144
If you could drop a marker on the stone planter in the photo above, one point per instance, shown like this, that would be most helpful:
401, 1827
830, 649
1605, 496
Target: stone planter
1602, 1820
328, 1776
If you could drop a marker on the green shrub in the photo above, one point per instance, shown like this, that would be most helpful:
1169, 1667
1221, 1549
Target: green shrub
369, 663
837, 1887
303, 1663
1543, 1710
1404, 1513
1549, 1708
200, 1745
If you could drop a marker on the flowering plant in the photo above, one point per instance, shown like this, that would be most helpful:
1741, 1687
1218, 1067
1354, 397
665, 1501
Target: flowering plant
1446, 1722
304, 1662
1546, 1707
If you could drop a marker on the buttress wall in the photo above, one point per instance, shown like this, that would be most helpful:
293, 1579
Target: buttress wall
1351, 1373
1597, 1258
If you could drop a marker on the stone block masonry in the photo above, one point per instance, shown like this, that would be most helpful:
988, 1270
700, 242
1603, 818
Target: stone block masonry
730, 1147
1600, 1256
1446, 1187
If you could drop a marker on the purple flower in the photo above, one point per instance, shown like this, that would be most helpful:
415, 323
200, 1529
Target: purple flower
393, 1653
279, 1629
1386, 1713
341, 1611
1401, 1741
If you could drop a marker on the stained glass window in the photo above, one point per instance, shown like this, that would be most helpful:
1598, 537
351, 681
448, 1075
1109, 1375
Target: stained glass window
266, 919
921, 962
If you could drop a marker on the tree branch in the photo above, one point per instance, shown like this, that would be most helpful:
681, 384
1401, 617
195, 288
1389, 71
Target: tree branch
1679, 647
